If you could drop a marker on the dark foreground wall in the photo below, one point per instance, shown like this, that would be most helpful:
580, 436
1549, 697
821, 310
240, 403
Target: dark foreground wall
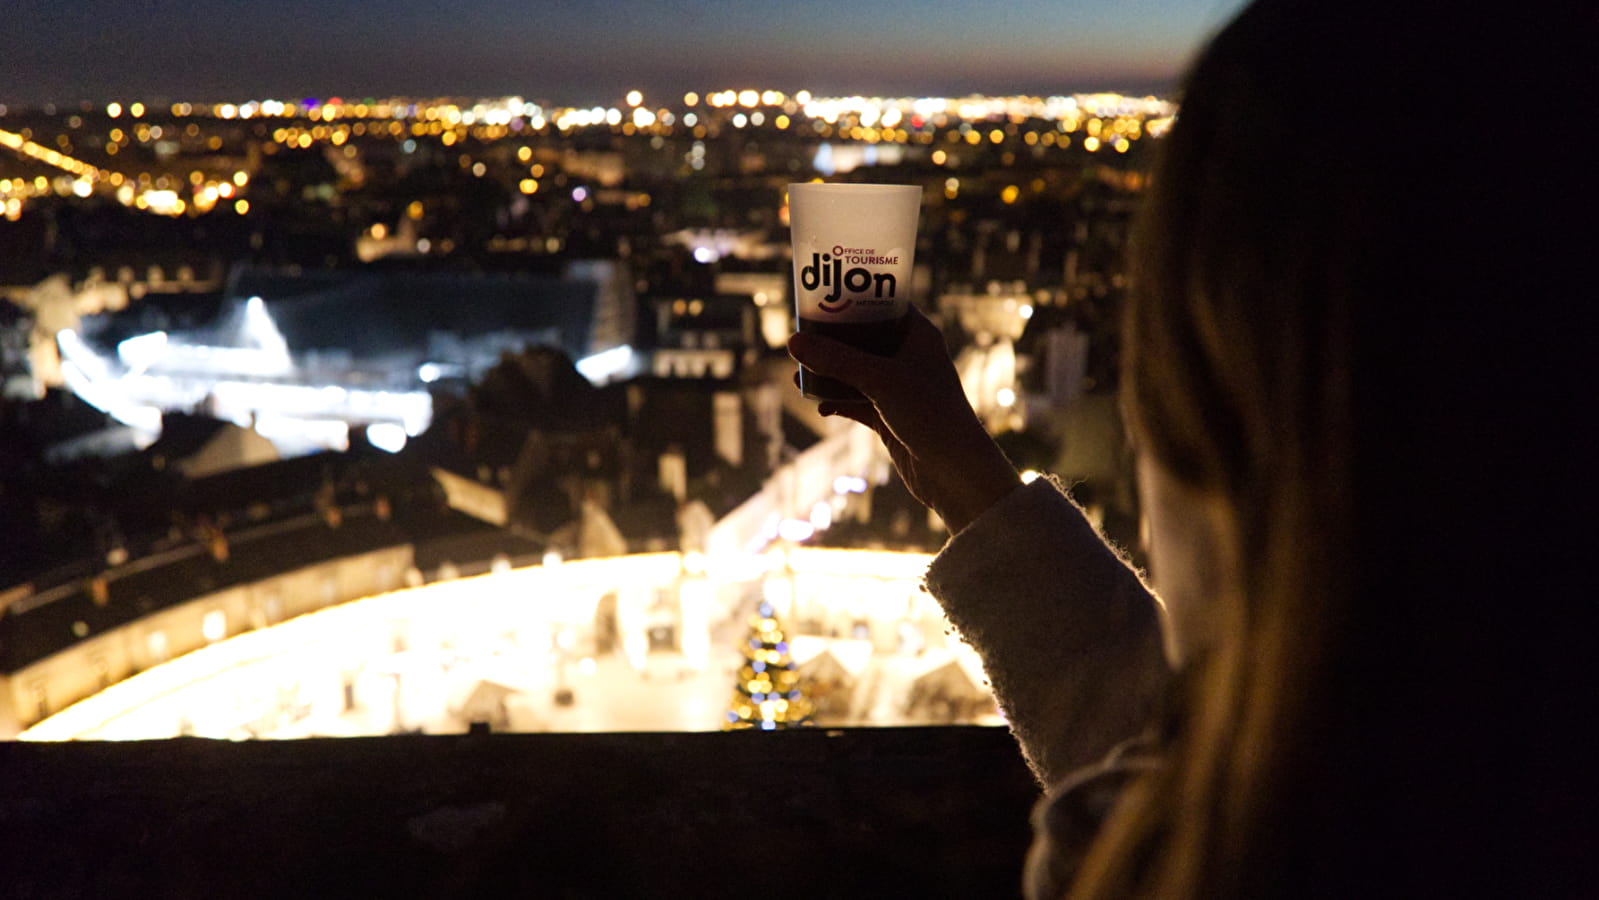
857, 812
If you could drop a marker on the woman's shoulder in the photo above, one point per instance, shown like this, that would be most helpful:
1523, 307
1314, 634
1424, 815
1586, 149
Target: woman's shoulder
1068, 818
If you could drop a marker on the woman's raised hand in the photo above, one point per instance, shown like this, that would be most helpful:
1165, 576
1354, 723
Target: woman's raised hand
919, 410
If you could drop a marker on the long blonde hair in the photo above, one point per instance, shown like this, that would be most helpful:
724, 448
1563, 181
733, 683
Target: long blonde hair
1302, 323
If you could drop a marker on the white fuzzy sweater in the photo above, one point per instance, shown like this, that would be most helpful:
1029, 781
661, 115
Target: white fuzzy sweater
1071, 640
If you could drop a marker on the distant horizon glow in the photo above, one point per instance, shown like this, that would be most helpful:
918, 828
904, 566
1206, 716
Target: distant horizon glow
595, 52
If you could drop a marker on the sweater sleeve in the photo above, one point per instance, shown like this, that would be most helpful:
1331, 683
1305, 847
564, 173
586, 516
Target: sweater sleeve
1069, 635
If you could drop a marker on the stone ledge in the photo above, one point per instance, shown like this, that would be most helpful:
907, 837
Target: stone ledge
817, 813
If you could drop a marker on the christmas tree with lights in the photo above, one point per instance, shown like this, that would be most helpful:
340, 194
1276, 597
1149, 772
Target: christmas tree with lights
768, 696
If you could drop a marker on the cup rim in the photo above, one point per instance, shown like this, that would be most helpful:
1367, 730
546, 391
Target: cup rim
863, 187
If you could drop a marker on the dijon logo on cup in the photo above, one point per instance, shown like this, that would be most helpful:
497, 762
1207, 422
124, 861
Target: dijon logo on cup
827, 270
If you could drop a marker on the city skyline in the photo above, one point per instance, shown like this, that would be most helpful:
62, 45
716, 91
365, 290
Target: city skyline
594, 53
505, 336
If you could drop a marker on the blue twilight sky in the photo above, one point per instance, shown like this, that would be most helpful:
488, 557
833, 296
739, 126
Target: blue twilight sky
589, 51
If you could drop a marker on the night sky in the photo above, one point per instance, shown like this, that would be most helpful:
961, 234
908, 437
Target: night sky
589, 51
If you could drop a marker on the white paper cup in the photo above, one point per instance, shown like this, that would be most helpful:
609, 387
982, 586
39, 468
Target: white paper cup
854, 249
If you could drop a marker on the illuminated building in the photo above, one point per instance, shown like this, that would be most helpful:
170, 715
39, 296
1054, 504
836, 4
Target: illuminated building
700, 337
302, 358
235, 671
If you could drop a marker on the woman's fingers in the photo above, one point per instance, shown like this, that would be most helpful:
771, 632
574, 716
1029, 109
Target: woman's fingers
836, 359
864, 413
920, 411
896, 380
